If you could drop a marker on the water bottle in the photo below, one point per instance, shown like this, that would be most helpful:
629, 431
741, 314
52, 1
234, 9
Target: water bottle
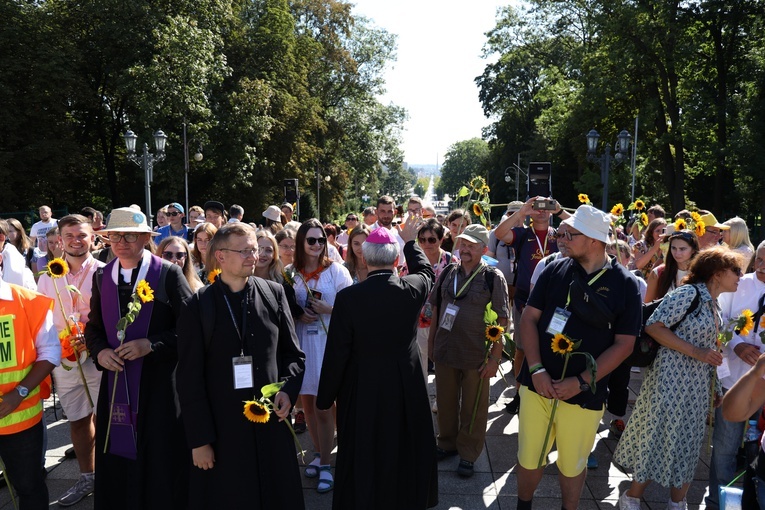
751, 442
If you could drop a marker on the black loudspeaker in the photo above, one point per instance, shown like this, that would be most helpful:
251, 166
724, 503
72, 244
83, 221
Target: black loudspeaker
540, 180
291, 193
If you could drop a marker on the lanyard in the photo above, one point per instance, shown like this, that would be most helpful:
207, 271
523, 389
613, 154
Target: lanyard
241, 333
594, 279
464, 285
536, 238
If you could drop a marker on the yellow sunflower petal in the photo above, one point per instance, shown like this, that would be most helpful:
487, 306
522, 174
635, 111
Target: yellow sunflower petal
494, 332
256, 412
144, 291
700, 229
644, 219
561, 344
213, 274
57, 268
695, 216
583, 198
617, 210
680, 224
639, 205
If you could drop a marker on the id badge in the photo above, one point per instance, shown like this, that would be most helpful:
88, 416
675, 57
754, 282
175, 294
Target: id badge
242, 372
312, 328
447, 321
723, 370
558, 321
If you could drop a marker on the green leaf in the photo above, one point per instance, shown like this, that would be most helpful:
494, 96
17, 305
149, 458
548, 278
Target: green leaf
463, 192
72, 288
577, 344
489, 315
122, 324
269, 390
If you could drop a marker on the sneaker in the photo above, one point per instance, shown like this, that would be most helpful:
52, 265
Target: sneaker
465, 469
680, 505
299, 425
616, 427
592, 461
628, 503
79, 491
434, 407
441, 454
635, 370
514, 405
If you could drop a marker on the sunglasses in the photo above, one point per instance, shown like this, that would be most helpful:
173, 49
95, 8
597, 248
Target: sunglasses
169, 255
686, 235
714, 231
429, 240
173, 214
129, 238
352, 219
313, 240
568, 235
737, 271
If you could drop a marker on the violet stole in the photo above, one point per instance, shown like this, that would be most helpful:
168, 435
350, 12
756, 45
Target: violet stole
123, 436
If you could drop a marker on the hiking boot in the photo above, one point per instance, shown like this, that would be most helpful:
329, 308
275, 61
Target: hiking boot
465, 469
79, 491
299, 425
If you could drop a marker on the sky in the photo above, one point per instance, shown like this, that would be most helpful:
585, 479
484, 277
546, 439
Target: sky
438, 58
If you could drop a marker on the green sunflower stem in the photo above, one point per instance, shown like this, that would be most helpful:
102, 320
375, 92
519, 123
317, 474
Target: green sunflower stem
543, 453
478, 395
8, 484
711, 413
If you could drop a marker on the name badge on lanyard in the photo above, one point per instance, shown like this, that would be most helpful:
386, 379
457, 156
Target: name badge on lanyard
242, 372
558, 321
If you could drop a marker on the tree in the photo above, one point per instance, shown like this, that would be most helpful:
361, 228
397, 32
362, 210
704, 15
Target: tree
463, 161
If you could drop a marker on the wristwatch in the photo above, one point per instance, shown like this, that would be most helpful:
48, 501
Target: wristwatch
583, 386
22, 391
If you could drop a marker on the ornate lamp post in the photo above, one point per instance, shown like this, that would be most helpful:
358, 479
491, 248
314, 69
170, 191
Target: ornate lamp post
198, 156
605, 159
146, 161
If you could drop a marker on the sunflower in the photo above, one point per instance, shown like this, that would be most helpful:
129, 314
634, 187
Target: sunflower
57, 268
477, 209
700, 228
144, 291
617, 210
494, 333
644, 219
213, 274
584, 198
485, 189
745, 323
561, 344
695, 216
639, 205
477, 183
256, 412
680, 224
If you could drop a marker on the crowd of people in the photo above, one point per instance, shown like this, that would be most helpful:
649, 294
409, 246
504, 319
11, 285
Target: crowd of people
177, 351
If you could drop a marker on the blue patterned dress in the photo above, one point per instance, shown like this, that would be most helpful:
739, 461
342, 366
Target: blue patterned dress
664, 435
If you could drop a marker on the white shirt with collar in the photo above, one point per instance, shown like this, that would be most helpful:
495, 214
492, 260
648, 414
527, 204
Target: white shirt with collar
750, 289
46, 342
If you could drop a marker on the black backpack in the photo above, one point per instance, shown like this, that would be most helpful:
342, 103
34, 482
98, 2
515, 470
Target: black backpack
646, 347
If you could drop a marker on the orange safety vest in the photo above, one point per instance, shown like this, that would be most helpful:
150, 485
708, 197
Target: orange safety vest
20, 321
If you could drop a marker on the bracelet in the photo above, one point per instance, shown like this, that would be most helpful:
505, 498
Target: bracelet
498, 360
536, 367
539, 371
559, 212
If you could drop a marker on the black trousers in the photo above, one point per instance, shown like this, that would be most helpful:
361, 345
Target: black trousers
618, 390
21, 453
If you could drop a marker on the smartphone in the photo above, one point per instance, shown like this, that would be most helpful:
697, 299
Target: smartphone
544, 204
316, 294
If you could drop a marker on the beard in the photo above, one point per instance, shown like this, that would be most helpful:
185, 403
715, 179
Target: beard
76, 254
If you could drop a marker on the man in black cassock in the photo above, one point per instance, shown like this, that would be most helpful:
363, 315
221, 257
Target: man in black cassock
386, 450
144, 466
237, 336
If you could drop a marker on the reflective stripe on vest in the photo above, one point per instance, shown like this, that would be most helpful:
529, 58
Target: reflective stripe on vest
29, 411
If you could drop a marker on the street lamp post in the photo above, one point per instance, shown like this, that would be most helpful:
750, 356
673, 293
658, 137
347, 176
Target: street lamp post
605, 160
518, 172
318, 191
197, 157
146, 161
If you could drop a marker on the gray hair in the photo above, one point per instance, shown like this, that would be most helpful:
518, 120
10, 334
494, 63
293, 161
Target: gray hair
379, 255
760, 246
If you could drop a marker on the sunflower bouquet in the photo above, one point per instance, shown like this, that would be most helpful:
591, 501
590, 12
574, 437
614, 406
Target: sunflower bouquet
694, 223
563, 345
143, 294
494, 333
259, 411
479, 206
72, 334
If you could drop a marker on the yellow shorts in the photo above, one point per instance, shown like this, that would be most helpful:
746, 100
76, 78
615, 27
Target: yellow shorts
573, 431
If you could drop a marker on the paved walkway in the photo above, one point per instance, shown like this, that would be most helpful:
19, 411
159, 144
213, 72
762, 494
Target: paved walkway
494, 485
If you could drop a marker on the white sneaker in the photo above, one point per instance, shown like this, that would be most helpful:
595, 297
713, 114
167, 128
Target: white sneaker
628, 503
680, 505
434, 407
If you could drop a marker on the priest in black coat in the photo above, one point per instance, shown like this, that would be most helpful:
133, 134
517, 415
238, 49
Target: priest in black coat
238, 463
386, 450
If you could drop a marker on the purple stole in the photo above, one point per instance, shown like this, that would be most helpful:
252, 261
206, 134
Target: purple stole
123, 436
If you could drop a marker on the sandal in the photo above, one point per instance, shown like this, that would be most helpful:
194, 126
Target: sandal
312, 469
325, 484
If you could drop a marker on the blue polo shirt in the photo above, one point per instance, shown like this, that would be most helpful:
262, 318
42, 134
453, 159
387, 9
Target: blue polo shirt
167, 231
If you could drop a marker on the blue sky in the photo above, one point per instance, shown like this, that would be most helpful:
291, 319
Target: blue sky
439, 56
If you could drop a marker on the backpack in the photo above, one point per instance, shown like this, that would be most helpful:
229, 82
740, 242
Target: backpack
646, 348
488, 275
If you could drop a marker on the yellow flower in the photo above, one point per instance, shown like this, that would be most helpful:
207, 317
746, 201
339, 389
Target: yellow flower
561, 344
477, 209
256, 412
57, 268
494, 333
700, 228
477, 183
644, 219
485, 189
639, 205
762, 322
213, 274
144, 292
680, 224
745, 322
584, 198
617, 210
695, 216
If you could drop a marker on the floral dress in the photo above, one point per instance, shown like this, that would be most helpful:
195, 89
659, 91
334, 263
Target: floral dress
641, 248
664, 435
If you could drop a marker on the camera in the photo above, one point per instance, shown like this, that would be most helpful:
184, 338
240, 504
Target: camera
544, 204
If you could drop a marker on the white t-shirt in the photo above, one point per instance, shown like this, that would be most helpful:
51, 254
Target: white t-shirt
39, 230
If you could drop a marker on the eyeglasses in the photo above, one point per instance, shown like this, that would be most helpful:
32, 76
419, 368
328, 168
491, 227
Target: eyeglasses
568, 235
290, 247
173, 214
129, 238
737, 271
248, 252
266, 249
313, 240
169, 255
352, 218
429, 240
